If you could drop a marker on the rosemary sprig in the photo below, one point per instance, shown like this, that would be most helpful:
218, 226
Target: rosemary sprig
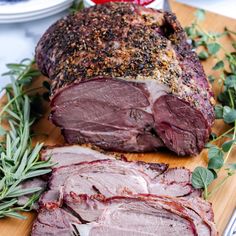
19, 160
218, 155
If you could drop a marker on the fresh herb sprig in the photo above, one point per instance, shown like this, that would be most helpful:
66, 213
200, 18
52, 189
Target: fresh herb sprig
210, 46
77, 6
19, 159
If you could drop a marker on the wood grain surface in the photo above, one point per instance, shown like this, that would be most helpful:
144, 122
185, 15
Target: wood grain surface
224, 201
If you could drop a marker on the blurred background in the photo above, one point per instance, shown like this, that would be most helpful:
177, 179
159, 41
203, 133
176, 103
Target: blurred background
22, 22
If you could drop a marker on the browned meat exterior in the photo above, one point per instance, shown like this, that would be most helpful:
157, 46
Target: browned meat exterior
124, 78
140, 215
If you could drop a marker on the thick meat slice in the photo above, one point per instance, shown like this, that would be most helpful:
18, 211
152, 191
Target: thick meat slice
110, 178
91, 172
124, 78
102, 118
141, 215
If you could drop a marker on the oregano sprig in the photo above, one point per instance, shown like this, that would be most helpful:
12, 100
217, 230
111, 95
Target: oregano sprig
218, 156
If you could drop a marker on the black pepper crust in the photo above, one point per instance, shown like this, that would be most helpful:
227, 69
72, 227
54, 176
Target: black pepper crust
123, 40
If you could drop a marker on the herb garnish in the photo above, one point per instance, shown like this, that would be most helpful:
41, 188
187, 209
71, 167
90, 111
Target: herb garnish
19, 160
208, 43
77, 6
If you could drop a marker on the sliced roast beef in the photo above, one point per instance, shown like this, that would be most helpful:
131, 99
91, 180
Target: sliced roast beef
54, 222
109, 196
69, 155
124, 78
140, 215
36, 182
110, 177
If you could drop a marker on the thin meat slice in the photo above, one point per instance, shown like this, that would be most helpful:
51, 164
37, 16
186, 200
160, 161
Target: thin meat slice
74, 154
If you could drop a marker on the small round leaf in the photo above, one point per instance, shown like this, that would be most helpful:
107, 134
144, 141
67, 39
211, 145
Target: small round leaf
201, 177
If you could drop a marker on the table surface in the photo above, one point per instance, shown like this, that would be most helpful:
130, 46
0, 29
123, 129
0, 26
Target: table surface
224, 201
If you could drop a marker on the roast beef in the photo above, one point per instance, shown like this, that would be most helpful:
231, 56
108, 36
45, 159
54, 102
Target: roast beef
140, 215
73, 154
124, 78
100, 194
110, 177
54, 221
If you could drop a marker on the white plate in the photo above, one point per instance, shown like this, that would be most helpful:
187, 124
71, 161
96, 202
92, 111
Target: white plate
29, 6
32, 17
28, 14
31, 10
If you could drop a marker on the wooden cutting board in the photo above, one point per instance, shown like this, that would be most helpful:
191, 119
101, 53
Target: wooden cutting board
224, 201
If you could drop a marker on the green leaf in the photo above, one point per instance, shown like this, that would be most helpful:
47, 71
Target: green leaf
8, 204
36, 173
213, 48
232, 166
24, 81
203, 55
34, 154
21, 167
210, 145
211, 78
229, 115
216, 162
219, 111
15, 215
224, 98
215, 152
230, 81
2, 131
21, 192
188, 30
200, 14
77, 6
213, 136
218, 65
201, 177
234, 45
214, 173
43, 165
227, 145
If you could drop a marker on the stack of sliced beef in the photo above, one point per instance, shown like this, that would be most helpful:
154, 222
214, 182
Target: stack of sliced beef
94, 194
124, 78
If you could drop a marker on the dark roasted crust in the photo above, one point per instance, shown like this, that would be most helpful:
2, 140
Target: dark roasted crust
122, 40
93, 31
